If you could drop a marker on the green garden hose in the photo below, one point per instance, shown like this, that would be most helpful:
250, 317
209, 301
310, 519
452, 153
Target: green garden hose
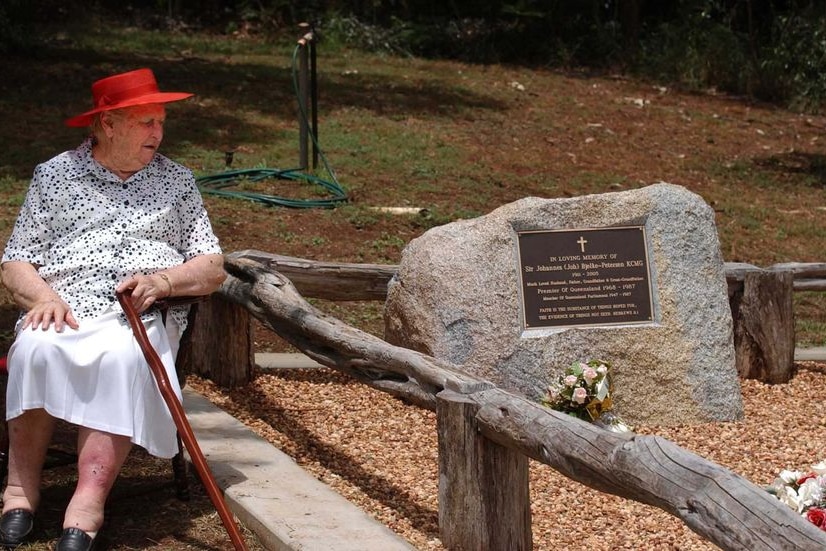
215, 184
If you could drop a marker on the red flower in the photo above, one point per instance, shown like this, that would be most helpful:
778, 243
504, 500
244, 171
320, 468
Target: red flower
804, 478
817, 517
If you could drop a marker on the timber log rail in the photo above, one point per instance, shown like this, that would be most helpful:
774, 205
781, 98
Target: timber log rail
486, 435
760, 301
342, 281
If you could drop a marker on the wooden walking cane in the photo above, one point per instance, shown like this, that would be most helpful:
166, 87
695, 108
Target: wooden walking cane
181, 422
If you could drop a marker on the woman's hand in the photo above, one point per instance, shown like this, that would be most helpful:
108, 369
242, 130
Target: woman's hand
31, 293
197, 276
42, 314
147, 289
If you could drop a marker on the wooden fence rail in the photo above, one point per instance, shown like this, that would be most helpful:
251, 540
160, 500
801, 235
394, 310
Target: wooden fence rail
809, 276
486, 435
343, 281
760, 300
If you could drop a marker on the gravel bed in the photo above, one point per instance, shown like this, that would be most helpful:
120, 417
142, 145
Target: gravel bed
381, 454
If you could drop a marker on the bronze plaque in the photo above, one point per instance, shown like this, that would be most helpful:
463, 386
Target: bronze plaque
585, 277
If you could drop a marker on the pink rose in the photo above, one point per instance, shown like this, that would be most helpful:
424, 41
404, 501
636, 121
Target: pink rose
579, 395
817, 517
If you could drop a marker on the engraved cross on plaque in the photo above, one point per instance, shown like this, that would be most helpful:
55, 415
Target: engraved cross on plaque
582, 241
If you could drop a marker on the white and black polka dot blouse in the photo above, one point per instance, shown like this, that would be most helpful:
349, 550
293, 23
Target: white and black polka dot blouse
87, 230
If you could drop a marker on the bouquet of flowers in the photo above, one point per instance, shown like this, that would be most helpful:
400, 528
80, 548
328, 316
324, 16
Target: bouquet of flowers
584, 391
804, 491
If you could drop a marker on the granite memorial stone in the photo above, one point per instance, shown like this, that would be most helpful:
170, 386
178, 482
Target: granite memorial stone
634, 278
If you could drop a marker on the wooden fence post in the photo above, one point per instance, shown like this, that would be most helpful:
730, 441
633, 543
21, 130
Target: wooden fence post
219, 343
483, 487
762, 313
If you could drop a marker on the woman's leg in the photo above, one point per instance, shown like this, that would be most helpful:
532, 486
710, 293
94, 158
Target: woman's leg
100, 458
29, 438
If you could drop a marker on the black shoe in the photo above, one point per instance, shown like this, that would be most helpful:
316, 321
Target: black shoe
15, 526
75, 539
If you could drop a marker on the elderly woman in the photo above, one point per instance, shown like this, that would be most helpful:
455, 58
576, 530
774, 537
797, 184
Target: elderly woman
112, 215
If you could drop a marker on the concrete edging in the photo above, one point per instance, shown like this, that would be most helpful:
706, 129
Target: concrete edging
286, 507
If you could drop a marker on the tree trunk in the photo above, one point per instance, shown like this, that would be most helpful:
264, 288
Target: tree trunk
630, 25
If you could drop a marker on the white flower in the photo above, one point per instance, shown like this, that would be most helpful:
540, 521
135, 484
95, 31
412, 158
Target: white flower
790, 477
602, 369
788, 496
810, 492
777, 486
820, 468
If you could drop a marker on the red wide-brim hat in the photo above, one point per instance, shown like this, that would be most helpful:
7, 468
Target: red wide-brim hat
137, 87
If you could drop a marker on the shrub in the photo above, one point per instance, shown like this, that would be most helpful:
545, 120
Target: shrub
794, 64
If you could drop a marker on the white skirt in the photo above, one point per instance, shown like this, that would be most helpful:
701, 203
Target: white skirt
97, 377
